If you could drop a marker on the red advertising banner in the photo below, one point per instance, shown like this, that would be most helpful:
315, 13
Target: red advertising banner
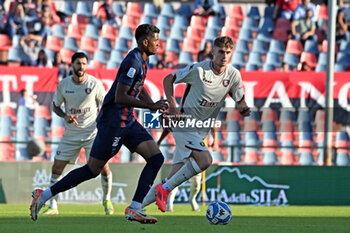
262, 89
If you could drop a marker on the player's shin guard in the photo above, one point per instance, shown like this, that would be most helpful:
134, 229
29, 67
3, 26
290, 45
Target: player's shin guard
186, 172
106, 183
72, 179
147, 176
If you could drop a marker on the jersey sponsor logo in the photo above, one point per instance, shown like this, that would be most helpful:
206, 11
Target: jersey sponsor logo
202, 144
206, 103
151, 120
70, 92
88, 90
131, 72
225, 82
79, 111
206, 80
116, 141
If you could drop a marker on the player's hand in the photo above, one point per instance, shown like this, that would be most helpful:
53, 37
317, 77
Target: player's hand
161, 105
71, 119
243, 109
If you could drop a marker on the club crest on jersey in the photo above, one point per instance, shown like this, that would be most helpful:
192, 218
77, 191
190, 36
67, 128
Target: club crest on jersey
225, 82
131, 72
88, 90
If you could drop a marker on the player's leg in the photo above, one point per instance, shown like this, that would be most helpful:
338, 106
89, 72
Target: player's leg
102, 150
171, 198
195, 188
201, 160
106, 182
56, 174
152, 193
140, 141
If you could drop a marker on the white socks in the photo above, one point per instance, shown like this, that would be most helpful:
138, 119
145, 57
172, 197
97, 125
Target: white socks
46, 195
106, 182
151, 195
53, 180
136, 205
186, 172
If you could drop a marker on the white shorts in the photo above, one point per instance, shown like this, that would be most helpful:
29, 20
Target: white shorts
68, 150
186, 142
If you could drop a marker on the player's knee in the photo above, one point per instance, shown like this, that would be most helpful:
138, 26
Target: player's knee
57, 170
156, 161
206, 161
90, 172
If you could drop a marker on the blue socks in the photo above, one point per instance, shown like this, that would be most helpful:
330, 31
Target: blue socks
72, 179
147, 176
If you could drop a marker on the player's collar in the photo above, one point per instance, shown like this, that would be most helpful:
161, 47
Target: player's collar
212, 68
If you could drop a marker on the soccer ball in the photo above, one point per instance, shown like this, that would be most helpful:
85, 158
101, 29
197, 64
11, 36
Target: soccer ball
36, 147
219, 213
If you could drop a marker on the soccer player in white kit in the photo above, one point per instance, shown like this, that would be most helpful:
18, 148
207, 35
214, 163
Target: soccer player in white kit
82, 96
208, 83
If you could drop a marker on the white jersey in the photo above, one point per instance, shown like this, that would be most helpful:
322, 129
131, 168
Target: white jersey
206, 91
81, 99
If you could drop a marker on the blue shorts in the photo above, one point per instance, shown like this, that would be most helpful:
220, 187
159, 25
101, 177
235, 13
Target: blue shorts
109, 140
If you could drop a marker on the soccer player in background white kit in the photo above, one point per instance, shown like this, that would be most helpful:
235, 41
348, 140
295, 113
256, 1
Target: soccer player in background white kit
208, 83
82, 96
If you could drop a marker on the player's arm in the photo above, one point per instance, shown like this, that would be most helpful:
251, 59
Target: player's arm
144, 96
242, 107
214, 134
168, 84
67, 117
122, 97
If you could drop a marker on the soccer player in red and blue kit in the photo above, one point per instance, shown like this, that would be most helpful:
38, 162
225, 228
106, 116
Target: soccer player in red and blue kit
117, 126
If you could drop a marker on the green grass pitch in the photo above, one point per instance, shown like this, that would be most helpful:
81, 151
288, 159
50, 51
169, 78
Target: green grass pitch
91, 218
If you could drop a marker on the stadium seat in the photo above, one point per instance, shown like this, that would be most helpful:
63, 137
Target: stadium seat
116, 56
273, 59
311, 46
322, 59
74, 31
198, 22
134, 9
254, 115
268, 11
84, 8
322, 12
264, 35
259, 47
251, 157
286, 114
6, 126
268, 114
185, 58
211, 33
22, 136
67, 7
118, 9
173, 46
101, 56
321, 68
340, 67
190, 45
280, 34
269, 126
184, 9
270, 67
254, 13
97, 64
266, 24
250, 23
56, 120
238, 59
58, 30
181, 22
220, 10
286, 126
233, 23
91, 31
150, 9
24, 116
88, 44
214, 22
270, 158
342, 159
126, 32
53, 43
167, 10
146, 20
242, 47
255, 59
231, 32
70, 43
104, 44
41, 127
7, 111
235, 11
283, 23
108, 32
246, 34
291, 60
309, 58
177, 33
306, 158
112, 65
252, 67
42, 111
130, 21
288, 158
277, 46
121, 44
294, 47
233, 115
153, 60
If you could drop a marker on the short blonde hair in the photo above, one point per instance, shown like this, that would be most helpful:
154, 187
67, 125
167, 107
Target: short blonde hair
224, 42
